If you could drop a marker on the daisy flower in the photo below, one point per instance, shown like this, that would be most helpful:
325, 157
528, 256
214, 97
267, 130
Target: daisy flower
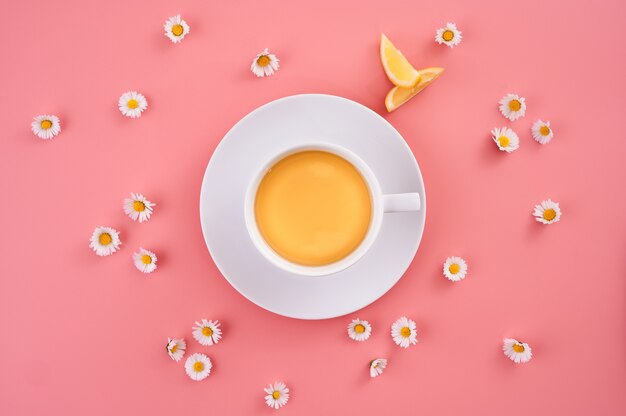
132, 104
403, 332
520, 352
505, 138
207, 332
145, 260
105, 241
377, 367
547, 212
512, 106
198, 366
455, 268
137, 207
359, 330
176, 348
542, 132
277, 395
449, 35
264, 64
176, 28
46, 127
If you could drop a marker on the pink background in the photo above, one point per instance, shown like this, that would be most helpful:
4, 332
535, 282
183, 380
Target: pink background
86, 335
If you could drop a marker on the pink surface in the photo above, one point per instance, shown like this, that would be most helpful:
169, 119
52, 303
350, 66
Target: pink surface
86, 335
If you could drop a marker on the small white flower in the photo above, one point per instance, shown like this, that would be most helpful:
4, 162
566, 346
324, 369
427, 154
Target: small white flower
137, 207
506, 139
403, 332
542, 132
455, 268
512, 106
520, 352
176, 348
198, 366
207, 332
46, 127
132, 104
145, 260
277, 395
377, 367
547, 212
449, 35
176, 28
264, 64
359, 330
105, 241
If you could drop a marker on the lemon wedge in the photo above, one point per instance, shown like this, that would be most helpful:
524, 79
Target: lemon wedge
399, 71
398, 95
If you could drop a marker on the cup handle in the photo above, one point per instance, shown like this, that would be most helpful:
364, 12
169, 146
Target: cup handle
402, 202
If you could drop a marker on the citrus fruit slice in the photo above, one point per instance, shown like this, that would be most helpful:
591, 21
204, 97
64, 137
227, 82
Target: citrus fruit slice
399, 71
398, 95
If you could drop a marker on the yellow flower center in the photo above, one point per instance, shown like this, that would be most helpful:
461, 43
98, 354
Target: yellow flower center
359, 329
139, 206
515, 105
198, 366
504, 141
374, 365
177, 30
46, 124
276, 395
518, 348
146, 259
263, 60
207, 332
105, 239
549, 214
132, 103
544, 130
448, 35
454, 268
405, 332
174, 348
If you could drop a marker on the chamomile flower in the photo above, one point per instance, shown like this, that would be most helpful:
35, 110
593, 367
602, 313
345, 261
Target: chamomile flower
542, 132
145, 260
105, 241
455, 268
46, 127
377, 367
176, 348
448, 35
547, 212
198, 366
506, 139
176, 28
132, 104
277, 395
512, 106
520, 352
207, 332
359, 330
403, 332
137, 207
264, 64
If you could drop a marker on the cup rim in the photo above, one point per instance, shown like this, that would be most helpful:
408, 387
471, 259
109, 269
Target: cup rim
315, 271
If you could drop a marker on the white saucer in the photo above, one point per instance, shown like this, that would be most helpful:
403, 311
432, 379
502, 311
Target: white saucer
253, 141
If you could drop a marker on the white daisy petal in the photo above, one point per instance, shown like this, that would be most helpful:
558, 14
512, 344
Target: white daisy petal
448, 35
176, 28
207, 332
176, 348
403, 332
137, 207
455, 268
145, 260
264, 64
519, 352
547, 212
542, 132
198, 366
506, 139
512, 106
46, 127
377, 367
359, 330
277, 395
132, 104
105, 241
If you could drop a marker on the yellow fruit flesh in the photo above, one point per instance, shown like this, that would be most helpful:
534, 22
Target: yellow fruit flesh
398, 96
398, 69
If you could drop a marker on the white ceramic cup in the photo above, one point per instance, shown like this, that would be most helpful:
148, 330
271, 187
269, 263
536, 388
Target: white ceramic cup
380, 204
